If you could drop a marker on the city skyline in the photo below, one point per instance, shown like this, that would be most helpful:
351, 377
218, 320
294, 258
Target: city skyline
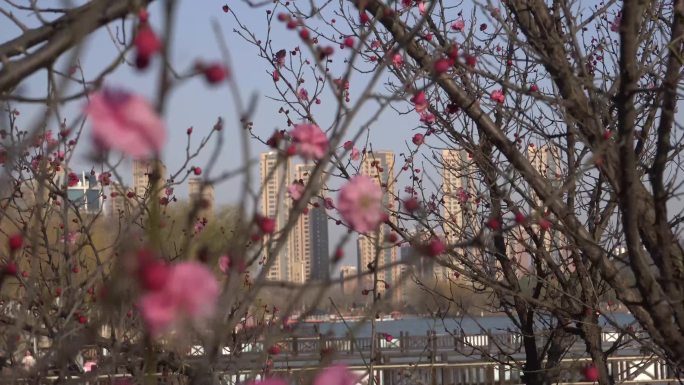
305, 255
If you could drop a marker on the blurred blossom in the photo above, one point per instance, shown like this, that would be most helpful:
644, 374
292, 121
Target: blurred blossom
311, 142
125, 122
360, 204
190, 291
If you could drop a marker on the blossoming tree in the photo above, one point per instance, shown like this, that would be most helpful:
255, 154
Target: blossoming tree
554, 120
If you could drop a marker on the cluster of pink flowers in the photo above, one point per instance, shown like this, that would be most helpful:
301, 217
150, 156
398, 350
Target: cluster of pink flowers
420, 101
397, 60
458, 25
303, 94
186, 290
105, 178
360, 204
498, 96
72, 179
355, 154
310, 141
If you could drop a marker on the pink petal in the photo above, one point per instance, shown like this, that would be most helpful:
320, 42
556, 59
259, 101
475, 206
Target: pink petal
336, 375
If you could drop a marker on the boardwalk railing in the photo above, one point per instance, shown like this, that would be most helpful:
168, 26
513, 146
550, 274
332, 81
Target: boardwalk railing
464, 344
623, 370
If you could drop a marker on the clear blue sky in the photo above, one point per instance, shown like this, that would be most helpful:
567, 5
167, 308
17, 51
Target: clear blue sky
194, 103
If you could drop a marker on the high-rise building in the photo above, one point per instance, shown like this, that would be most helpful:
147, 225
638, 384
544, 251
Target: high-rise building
459, 188
458, 185
201, 195
547, 161
119, 202
308, 242
143, 173
275, 176
349, 280
373, 252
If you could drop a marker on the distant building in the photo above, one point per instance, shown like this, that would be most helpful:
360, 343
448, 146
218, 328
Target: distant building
118, 201
87, 195
308, 241
418, 265
349, 280
458, 186
143, 173
202, 195
379, 165
520, 246
275, 175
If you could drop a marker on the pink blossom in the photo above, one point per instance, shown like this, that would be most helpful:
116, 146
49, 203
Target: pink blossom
355, 154
421, 7
191, 290
125, 122
311, 141
329, 204
199, 226
224, 263
336, 375
72, 179
159, 311
105, 178
397, 60
360, 204
303, 94
442, 65
435, 247
419, 101
295, 190
615, 25
458, 25
498, 96
427, 118
70, 238
461, 195
50, 139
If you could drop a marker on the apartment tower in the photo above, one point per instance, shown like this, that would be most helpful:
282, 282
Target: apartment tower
275, 176
201, 195
308, 242
379, 165
144, 172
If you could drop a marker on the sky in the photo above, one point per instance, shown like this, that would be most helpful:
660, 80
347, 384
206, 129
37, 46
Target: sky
196, 104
